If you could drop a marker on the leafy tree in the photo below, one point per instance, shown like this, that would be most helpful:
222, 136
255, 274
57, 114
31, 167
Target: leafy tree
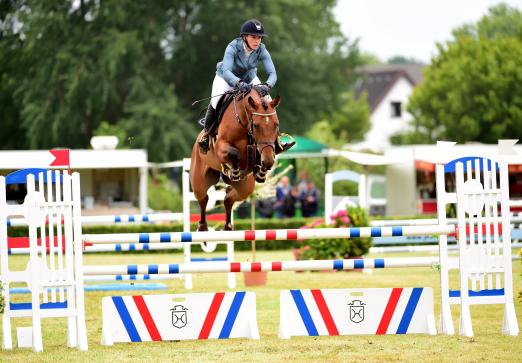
502, 21
472, 90
400, 59
68, 66
80, 63
11, 136
352, 120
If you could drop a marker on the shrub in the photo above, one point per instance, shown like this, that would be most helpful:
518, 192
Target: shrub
2, 302
331, 248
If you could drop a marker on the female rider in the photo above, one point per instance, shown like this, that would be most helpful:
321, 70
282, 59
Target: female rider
238, 69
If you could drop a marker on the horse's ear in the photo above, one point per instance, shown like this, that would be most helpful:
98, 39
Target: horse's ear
276, 101
253, 102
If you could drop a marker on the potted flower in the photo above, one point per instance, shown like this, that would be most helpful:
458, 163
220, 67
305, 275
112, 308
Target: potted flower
339, 248
301, 245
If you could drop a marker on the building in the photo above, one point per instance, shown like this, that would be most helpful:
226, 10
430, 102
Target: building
108, 178
388, 88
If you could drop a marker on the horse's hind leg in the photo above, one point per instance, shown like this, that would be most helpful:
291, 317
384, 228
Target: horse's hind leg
230, 199
236, 193
204, 182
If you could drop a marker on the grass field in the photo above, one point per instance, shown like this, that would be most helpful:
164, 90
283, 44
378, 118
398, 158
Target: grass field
487, 345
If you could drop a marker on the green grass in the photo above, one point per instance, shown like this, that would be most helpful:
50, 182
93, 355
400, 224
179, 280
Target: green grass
488, 343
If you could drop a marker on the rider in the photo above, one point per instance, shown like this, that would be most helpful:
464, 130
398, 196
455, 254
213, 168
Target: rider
238, 69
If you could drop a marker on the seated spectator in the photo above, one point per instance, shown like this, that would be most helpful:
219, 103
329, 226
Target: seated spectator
265, 207
304, 178
285, 199
309, 200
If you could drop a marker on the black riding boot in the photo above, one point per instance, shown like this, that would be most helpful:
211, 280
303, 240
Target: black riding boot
281, 148
209, 121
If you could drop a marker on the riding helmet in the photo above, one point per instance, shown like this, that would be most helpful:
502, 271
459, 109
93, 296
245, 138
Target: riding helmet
253, 27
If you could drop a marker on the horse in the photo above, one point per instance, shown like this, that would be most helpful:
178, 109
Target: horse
242, 152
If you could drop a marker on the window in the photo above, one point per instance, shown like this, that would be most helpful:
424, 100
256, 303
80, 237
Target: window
396, 109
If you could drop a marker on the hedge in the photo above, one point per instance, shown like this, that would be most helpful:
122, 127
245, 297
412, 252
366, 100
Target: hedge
239, 224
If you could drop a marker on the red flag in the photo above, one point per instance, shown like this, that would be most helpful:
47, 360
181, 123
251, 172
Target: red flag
61, 157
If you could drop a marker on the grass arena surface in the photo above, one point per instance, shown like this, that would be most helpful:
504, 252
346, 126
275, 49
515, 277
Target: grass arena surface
488, 344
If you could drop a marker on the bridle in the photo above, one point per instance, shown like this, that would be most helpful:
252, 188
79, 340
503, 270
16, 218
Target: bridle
250, 124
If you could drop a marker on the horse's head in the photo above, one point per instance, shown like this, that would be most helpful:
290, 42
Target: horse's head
265, 126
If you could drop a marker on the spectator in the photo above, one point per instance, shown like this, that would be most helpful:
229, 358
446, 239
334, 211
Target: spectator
285, 199
309, 200
265, 207
304, 177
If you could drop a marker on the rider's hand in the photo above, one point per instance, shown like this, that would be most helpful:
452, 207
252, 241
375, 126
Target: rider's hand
264, 89
243, 87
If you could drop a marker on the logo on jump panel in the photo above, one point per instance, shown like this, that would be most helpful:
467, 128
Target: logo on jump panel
179, 316
356, 311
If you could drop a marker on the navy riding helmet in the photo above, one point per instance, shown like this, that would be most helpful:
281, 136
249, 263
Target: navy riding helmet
253, 27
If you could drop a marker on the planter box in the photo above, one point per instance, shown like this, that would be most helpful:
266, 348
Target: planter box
255, 278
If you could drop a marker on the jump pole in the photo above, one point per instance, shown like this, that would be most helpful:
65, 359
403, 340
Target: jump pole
266, 235
219, 267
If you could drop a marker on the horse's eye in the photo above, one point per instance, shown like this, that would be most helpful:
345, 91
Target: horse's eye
256, 126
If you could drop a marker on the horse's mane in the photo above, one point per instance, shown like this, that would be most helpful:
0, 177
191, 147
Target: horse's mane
261, 98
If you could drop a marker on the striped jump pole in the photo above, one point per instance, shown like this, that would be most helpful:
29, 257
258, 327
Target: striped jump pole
425, 222
114, 219
130, 278
301, 265
266, 235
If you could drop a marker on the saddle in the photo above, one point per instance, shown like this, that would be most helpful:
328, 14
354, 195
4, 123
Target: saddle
220, 110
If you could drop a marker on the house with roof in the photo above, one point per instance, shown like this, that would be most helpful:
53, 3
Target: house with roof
388, 88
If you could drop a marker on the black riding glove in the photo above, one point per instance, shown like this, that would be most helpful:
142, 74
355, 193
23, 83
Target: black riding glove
244, 87
264, 89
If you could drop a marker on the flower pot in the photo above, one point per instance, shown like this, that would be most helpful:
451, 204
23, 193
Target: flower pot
257, 278
297, 252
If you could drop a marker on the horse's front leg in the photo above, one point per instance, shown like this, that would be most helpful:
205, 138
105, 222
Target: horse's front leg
202, 226
230, 156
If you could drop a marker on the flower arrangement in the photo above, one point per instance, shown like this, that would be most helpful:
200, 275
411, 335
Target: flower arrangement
331, 248
2, 302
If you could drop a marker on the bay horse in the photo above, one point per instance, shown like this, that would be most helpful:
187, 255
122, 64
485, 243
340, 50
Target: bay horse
242, 152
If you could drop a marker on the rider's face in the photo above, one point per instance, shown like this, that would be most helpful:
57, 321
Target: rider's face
253, 41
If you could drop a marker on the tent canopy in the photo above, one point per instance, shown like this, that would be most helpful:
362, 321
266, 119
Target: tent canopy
304, 148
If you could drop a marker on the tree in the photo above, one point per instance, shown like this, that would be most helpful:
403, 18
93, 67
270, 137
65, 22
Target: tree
68, 66
81, 63
473, 88
502, 21
400, 59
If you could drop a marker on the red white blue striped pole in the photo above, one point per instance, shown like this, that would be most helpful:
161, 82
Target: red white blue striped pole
302, 265
114, 219
266, 235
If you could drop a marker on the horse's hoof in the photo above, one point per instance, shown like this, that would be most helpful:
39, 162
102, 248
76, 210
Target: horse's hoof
260, 180
202, 227
235, 174
228, 227
235, 177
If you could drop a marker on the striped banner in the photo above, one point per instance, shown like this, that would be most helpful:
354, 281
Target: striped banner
356, 311
146, 318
